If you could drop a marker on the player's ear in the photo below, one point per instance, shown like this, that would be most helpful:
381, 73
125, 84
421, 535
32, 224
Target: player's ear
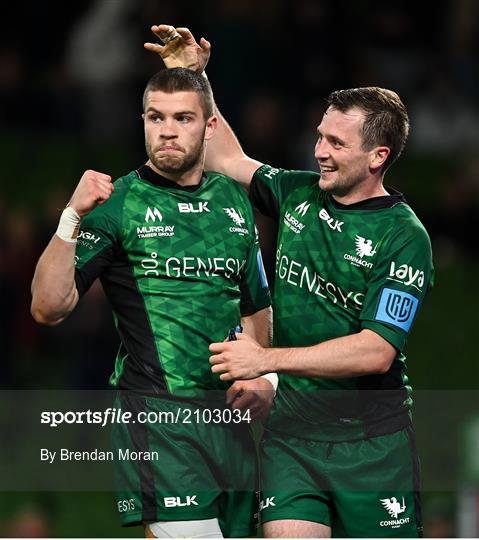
211, 124
378, 156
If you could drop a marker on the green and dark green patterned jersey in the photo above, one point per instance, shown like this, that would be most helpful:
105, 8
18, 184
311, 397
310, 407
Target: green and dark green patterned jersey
179, 267
339, 270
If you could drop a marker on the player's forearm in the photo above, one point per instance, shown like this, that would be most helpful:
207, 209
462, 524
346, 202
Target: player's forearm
359, 354
259, 326
225, 155
54, 294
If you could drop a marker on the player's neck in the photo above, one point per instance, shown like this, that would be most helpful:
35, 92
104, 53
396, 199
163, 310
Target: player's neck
362, 192
188, 178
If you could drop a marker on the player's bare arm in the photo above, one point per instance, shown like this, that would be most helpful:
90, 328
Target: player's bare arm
223, 152
364, 353
54, 294
257, 395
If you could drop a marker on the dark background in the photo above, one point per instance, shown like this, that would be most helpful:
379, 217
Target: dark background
71, 80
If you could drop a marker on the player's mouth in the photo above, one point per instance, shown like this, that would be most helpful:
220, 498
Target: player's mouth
169, 149
326, 170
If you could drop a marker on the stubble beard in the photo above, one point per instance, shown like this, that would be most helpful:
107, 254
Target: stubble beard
176, 164
342, 186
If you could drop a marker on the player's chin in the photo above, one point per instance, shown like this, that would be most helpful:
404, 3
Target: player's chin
326, 183
170, 164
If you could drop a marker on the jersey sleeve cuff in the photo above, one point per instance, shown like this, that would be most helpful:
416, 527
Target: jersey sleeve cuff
390, 335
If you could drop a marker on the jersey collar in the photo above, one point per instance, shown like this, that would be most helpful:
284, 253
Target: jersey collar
147, 173
375, 203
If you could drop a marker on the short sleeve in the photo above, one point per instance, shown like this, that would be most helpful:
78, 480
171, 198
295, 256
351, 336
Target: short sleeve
270, 187
98, 241
399, 282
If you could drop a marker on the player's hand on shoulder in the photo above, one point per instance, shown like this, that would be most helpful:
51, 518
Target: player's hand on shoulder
180, 48
93, 189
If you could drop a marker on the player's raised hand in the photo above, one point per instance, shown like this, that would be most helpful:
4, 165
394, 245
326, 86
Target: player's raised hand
180, 48
94, 188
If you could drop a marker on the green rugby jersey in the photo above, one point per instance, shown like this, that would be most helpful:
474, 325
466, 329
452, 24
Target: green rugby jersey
341, 269
179, 267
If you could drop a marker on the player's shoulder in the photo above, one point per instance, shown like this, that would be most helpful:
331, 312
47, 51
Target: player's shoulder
268, 172
226, 184
407, 223
124, 183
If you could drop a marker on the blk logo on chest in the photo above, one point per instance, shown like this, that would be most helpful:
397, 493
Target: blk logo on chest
191, 208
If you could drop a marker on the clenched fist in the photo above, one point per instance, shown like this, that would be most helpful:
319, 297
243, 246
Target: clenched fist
94, 188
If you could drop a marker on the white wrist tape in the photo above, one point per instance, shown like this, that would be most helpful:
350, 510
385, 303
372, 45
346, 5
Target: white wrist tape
272, 378
69, 225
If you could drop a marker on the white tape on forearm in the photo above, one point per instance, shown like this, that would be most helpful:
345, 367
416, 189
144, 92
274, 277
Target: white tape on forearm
69, 225
272, 378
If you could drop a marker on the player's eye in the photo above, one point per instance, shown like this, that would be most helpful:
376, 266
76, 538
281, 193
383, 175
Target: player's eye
155, 118
183, 119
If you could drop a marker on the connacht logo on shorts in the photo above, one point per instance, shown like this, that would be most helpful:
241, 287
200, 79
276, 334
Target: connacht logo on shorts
394, 508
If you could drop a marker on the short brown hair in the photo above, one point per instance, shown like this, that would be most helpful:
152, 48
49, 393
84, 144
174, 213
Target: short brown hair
386, 120
182, 80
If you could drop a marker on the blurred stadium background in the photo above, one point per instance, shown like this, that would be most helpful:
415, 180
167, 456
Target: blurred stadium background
71, 80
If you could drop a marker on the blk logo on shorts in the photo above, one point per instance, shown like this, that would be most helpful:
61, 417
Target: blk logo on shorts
269, 501
171, 502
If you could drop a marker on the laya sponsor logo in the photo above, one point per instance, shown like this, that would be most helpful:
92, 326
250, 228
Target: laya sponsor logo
293, 222
364, 248
407, 275
238, 220
397, 308
172, 502
152, 231
394, 508
190, 208
332, 223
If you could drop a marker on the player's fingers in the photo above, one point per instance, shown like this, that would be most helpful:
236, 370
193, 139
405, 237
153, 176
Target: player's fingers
226, 377
244, 401
216, 360
233, 392
153, 47
186, 35
205, 44
163, 30
217, 347
218, 368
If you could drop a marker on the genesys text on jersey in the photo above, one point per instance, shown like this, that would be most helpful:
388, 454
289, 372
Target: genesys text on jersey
300, 275
192, 266
113, 415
